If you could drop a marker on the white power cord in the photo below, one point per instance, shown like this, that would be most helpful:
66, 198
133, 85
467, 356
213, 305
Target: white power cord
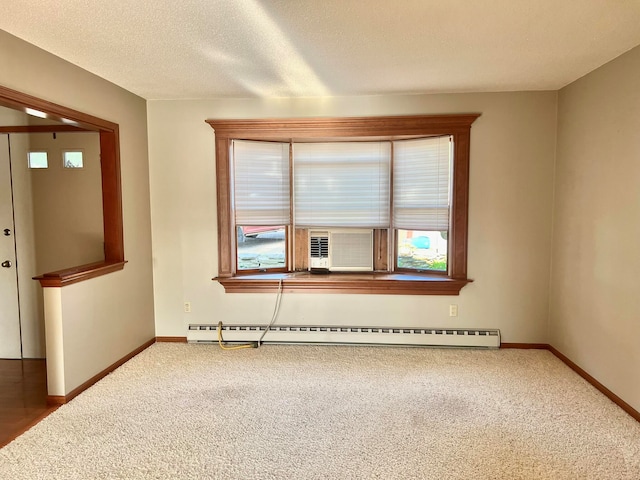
275, 312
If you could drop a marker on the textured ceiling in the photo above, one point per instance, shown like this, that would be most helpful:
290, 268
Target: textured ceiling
176, 49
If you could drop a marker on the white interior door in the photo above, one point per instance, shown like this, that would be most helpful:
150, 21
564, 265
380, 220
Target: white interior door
10, 344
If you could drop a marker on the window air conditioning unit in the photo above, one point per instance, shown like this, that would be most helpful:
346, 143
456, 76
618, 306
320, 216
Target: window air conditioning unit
341, 250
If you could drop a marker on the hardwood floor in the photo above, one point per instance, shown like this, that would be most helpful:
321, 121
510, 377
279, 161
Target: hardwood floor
23, 397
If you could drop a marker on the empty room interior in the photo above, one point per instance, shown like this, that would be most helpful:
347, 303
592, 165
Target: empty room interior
414, 191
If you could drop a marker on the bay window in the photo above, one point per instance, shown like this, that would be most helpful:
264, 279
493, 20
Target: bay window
403, 178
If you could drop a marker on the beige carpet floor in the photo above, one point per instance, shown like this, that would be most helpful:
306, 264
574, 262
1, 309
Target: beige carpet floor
332, 412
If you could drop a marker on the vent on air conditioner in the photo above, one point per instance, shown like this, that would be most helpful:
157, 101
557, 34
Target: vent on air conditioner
319, 247
341, 250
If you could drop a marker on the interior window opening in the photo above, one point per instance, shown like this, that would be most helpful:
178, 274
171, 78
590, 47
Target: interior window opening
38, 160
73, 159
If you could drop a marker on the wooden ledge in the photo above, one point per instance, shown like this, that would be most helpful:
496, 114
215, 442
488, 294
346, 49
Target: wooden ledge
68, 276
360, 283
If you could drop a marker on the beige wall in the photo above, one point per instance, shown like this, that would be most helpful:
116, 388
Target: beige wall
595, 305
512, 161
67, 203
103, 319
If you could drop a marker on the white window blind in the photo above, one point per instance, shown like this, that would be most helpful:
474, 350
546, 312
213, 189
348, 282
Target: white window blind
261, 183
342, 184
421, 183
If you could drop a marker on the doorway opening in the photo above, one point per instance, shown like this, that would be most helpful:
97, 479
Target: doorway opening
51, 120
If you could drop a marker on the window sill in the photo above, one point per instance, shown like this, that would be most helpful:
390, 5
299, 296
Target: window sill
358, 283
68, 276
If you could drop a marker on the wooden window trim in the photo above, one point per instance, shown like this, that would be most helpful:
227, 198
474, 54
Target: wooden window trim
327, 129
111, 186
380, 283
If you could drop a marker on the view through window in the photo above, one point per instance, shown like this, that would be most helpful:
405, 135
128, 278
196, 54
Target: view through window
261, 248
419, 250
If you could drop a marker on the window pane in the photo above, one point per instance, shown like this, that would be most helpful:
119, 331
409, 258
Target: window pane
342, 184
421, 180
38, 160
422, 250
261, 183
261, 248
72, 159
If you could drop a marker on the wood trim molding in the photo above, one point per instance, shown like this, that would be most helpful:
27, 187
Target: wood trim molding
326, 129
226, 237
111, 186
112, 195
62, 399
526, 346
573, 366
374, 283
171, 339
323, 128
460, 205
62, 278
599, 386
21, 101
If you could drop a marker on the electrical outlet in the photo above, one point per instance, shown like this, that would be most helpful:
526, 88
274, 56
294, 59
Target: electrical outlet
453, 310
187, 307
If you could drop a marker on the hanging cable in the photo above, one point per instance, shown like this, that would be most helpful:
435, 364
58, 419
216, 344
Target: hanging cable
276, 309
235, 347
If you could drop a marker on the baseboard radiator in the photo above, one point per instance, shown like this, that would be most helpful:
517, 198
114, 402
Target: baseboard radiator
462, 337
